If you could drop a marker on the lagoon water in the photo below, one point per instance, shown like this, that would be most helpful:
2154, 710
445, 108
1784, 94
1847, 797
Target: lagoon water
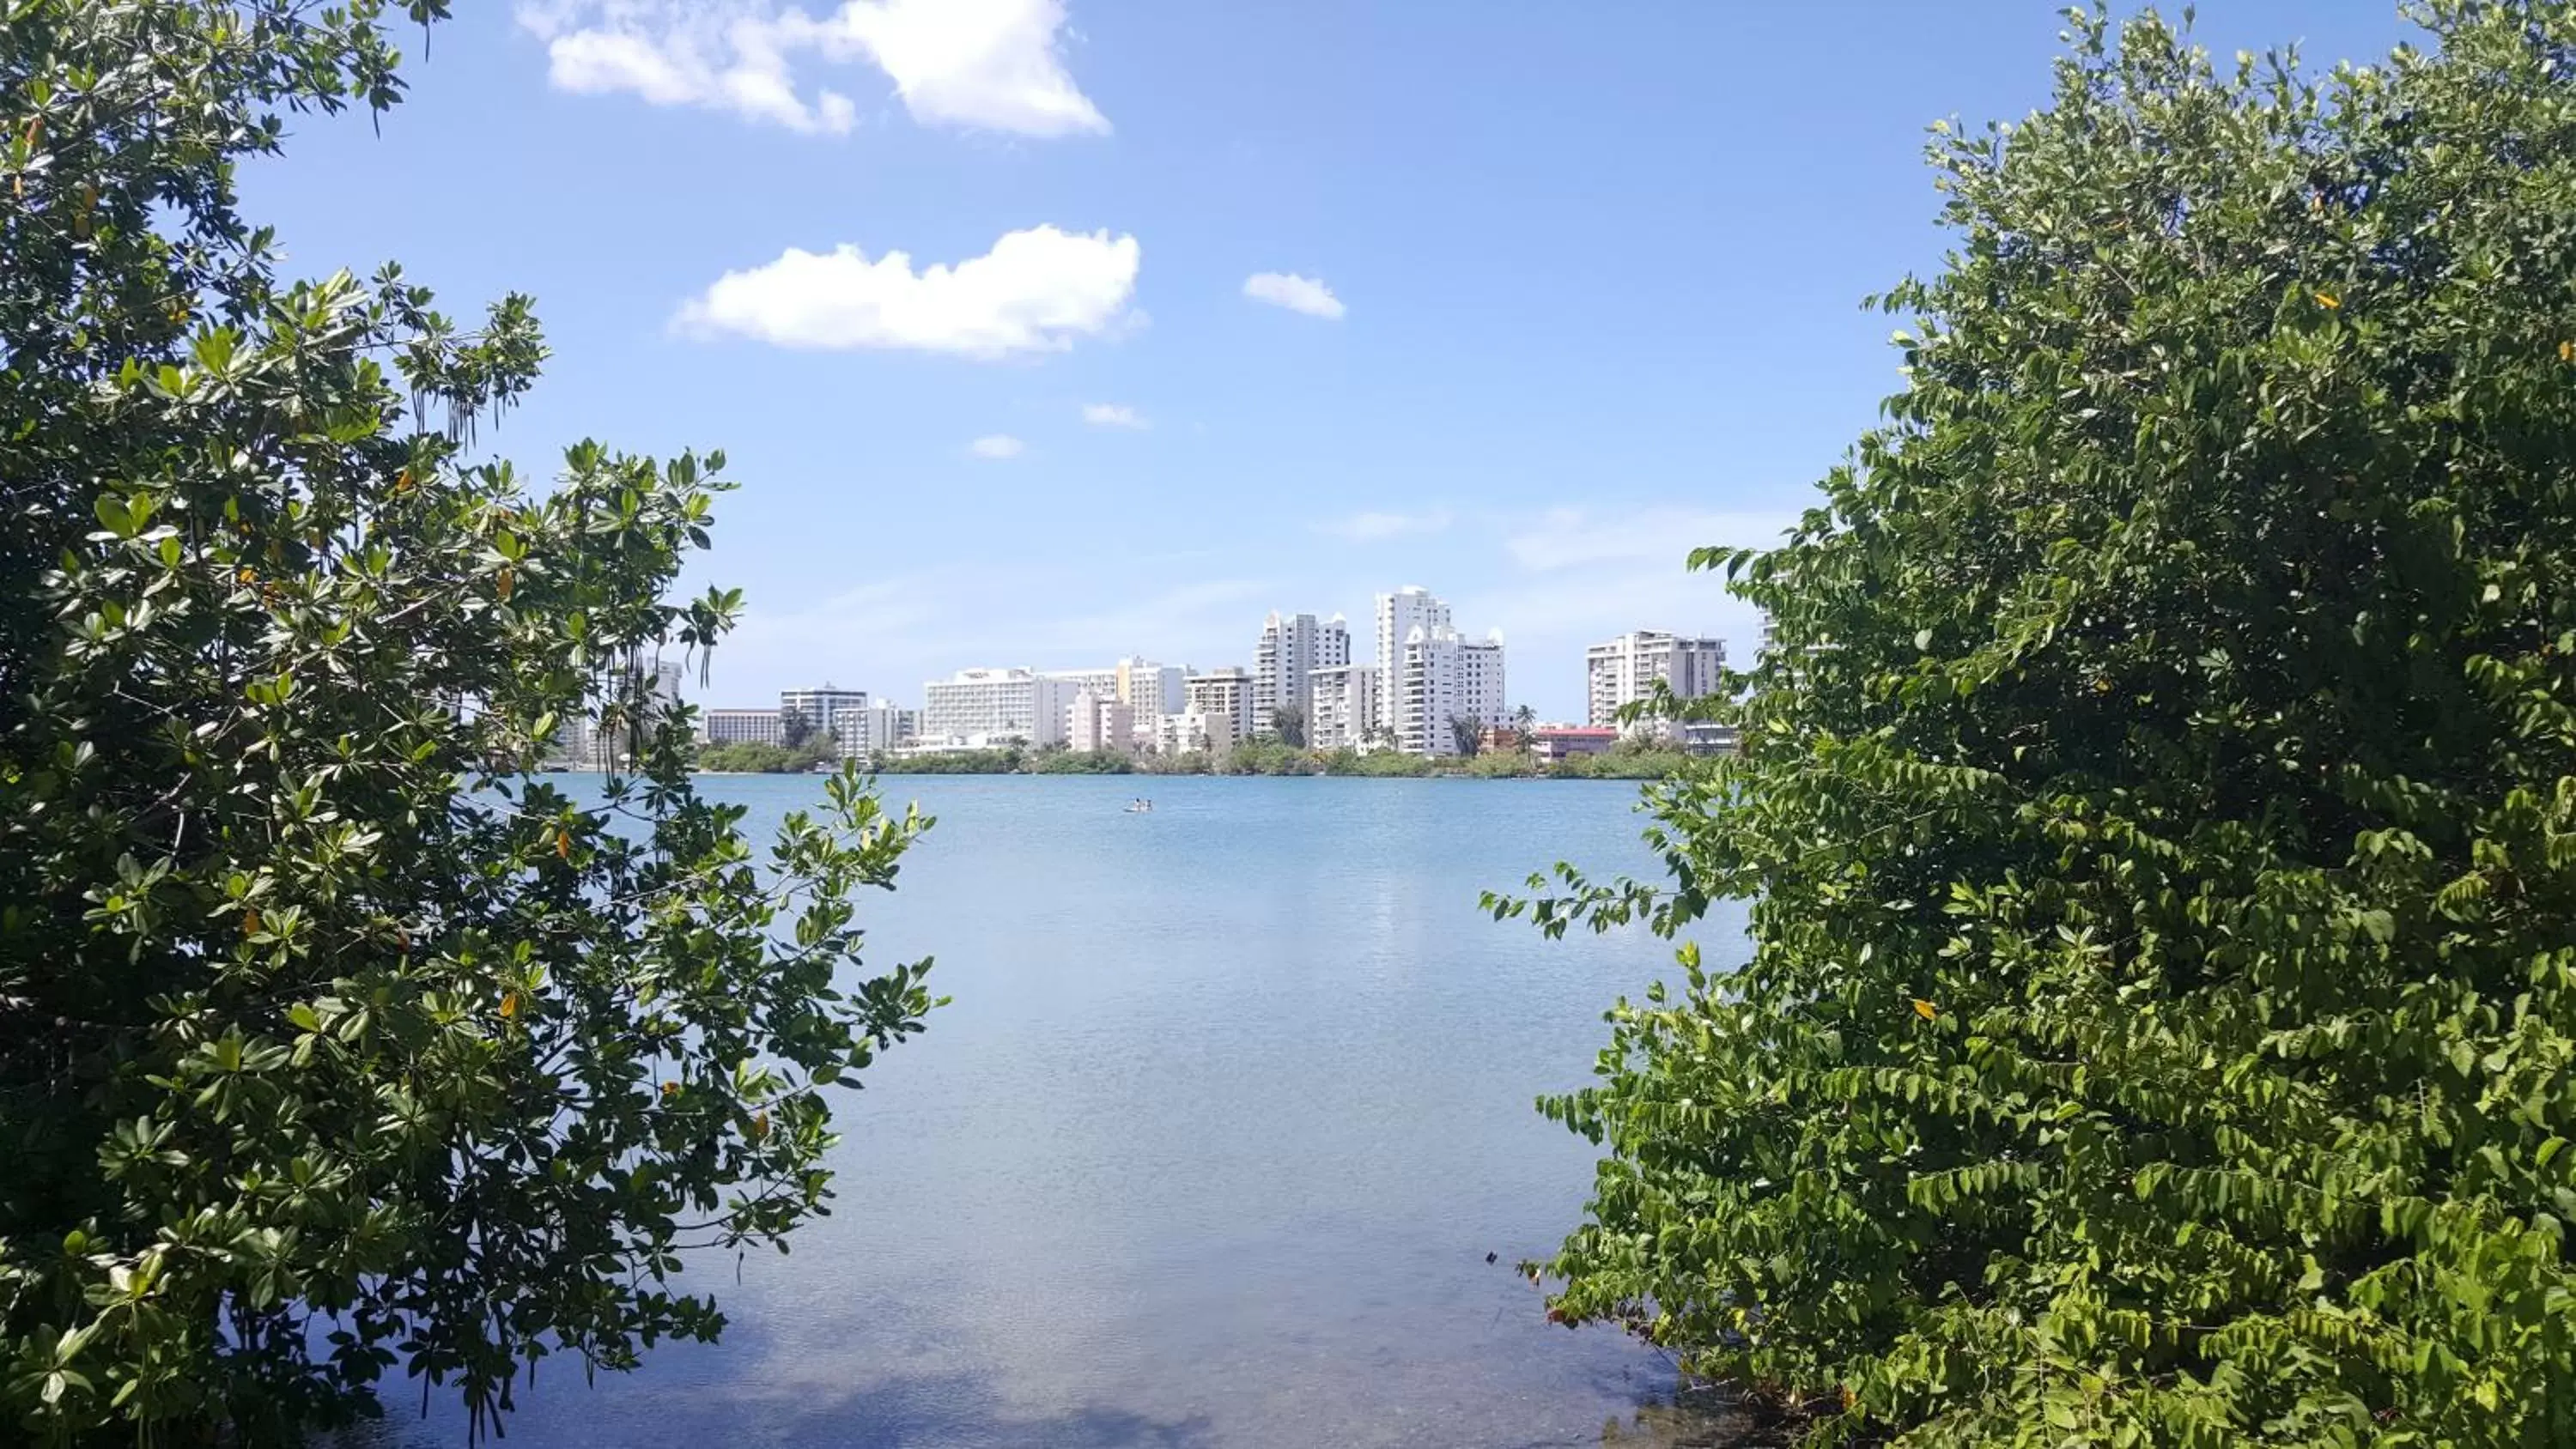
1232, 1101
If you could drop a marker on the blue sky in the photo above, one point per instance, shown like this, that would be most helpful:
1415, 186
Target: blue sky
1237, 306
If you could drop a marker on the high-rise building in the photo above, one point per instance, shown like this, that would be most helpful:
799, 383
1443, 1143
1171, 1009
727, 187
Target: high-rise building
1099, 722
819, 705
1627, 669
1292, 648
1145, 687
872, 727
1149, 688
1099, 681
1225, 691
977, 707
1341, 708
1398, 615
1480, 680
632, 700
1445, 680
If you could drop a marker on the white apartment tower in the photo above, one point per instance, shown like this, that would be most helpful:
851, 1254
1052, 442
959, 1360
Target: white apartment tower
1341, 708
1444, 678
1226, 692
1149, 688
1398, 615
1627, 669
987, 706
819, 705
877, 726
1292, 648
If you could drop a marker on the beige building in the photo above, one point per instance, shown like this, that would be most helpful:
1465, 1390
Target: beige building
1226, 692
1194, 732
1100, 722
1626, 670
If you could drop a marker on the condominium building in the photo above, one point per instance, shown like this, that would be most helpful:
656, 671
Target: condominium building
1145, 687
743, 727
1193, 732
1341, 707
1103, 682
819, 705
1099, 722
1226, 692
1292, 648
873, 727
1398, 615
1149, 688
989, 706
633, 699
1627, 669
1444, 680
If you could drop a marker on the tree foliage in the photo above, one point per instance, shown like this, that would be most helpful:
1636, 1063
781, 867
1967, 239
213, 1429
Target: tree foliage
795, 730
1467, 733
756, 757
331, 1042
2159, 805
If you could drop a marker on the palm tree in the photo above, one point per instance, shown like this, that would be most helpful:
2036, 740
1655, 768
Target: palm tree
1524, 723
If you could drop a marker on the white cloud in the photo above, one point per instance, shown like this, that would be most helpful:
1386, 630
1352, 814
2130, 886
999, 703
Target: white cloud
1035, 291
996, 445
986, 64
1298, 294
1113, 415
1378, 527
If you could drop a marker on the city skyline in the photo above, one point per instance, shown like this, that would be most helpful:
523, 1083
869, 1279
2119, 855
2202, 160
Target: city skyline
1408, 681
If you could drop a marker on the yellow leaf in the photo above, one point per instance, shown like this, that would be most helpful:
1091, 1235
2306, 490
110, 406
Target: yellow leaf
2567, 351
509, 1006
563, 846
1924, 1009
504, 584
2327, 301
250, 922
670, 1089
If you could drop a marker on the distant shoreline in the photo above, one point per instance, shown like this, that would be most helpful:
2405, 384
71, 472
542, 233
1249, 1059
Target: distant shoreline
1524, 776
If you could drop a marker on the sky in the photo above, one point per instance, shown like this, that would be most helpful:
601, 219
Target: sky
1042, 332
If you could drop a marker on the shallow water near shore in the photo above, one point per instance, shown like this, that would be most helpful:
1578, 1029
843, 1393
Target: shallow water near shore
1232, 1103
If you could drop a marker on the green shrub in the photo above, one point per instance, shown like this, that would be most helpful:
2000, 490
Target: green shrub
2159, 809
331, 1043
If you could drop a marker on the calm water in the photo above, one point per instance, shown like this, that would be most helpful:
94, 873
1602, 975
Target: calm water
1232, 1102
